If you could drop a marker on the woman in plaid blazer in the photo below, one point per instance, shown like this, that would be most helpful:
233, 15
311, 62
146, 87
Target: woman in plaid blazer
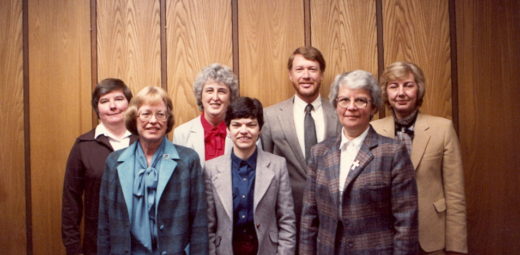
361, 195
152, 198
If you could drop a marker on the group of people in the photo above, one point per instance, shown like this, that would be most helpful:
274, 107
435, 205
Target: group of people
304, 176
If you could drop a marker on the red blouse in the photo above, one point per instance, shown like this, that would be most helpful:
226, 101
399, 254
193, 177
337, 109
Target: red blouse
214, 138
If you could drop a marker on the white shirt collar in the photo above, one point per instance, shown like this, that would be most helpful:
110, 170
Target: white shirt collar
353, 142
300, 104
102, 130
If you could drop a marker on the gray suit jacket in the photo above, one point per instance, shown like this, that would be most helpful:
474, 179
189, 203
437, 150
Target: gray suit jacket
273, 205
279, 137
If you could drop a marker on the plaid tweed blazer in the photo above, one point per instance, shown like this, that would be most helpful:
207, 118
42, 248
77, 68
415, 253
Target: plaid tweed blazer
379, 210
180, 199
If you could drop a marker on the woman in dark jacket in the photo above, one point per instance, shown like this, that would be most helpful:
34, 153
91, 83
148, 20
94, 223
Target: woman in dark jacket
86, 164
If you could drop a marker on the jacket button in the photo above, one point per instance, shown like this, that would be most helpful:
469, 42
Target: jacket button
350, 244
161, 227
164, 253
258, 226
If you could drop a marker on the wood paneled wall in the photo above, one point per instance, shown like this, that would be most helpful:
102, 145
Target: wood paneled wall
129, 42
59, 106
198, 34
70, 45
268, 31
12, 183
346, 34
488, 40
418, 31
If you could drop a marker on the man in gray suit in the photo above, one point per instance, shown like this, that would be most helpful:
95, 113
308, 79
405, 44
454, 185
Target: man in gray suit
294, 125
250, 206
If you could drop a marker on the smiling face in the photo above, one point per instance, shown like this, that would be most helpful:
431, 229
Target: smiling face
354, 119
215, 99
111, 107
306, 77
149, 127
244, 133
402, 95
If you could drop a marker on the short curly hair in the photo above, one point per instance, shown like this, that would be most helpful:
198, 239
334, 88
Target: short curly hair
218, 73
400, 70
358, 79
148, 95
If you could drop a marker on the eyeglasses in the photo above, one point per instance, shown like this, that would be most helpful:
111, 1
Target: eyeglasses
146, 116
359, 102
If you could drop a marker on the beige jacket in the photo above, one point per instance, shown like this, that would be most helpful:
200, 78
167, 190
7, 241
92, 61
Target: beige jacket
440, 182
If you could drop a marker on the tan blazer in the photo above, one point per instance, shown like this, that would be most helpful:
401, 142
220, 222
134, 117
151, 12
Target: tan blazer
273, 205
440, 182
279, 137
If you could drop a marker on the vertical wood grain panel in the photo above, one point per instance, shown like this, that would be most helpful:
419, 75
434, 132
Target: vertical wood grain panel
488, 39
418, 31
59, 103
12, 184
129, 42
198, 34
269, 31
345, 32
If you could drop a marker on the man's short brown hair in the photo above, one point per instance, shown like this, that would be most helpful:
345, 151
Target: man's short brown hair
309, 53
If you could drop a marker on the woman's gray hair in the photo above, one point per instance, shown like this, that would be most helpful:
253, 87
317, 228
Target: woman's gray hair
218, 73
358, 79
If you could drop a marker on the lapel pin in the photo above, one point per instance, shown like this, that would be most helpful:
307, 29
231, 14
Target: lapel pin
355, 164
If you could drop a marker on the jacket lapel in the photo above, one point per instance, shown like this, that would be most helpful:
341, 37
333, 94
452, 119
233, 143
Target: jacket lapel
125, 172
263, 177
223, 185
333, 174
197, 134
363, 158
167, 168
420, 141
286, 120
228, 144
104, 140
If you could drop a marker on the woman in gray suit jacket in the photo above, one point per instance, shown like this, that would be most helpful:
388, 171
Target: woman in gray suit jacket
250, 206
